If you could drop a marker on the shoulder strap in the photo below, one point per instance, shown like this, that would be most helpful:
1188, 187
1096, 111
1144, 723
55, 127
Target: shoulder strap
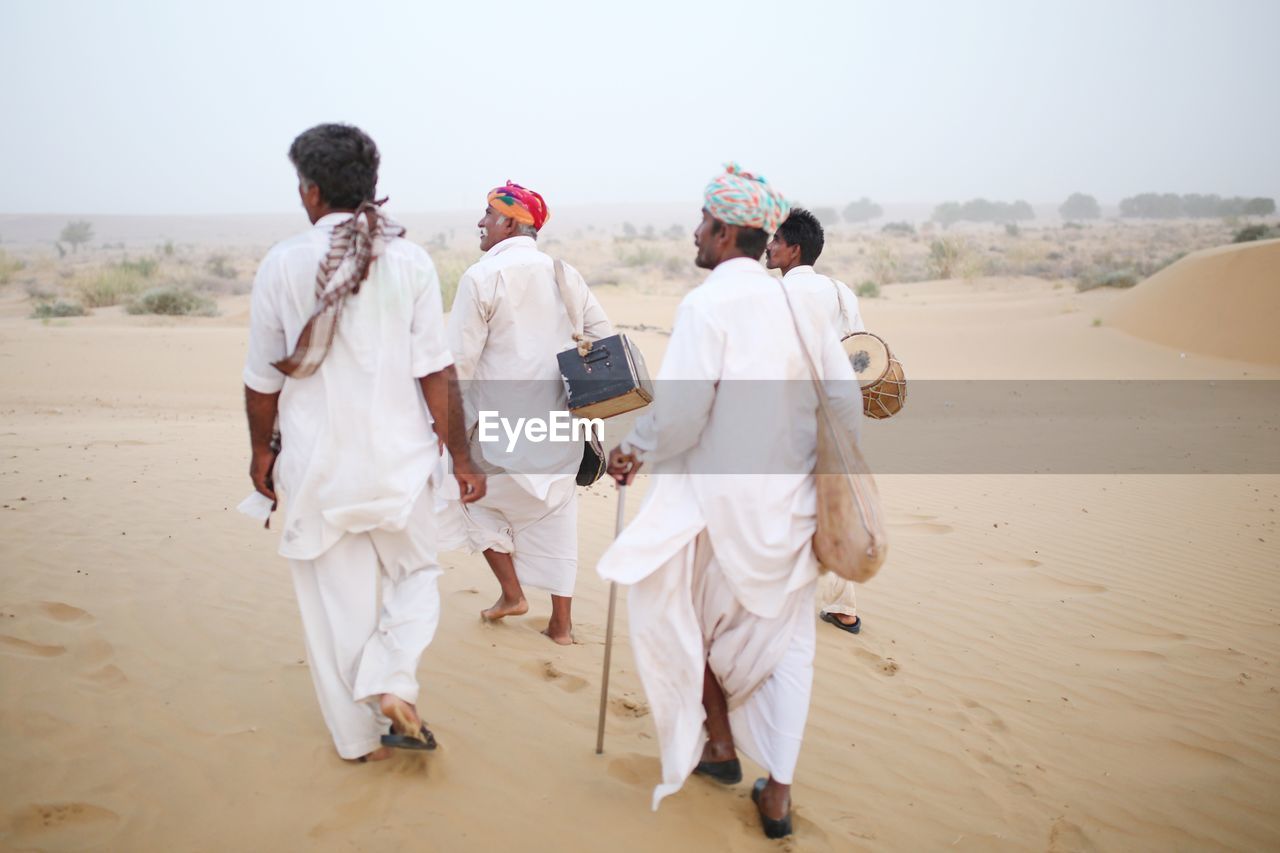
572, 308
824, 411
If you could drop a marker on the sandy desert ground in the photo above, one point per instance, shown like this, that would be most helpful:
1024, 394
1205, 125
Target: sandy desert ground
1071, 662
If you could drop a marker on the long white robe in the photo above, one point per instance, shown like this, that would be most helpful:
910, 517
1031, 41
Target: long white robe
730, 442
507, 324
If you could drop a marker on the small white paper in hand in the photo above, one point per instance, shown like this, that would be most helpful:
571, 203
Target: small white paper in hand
256, 506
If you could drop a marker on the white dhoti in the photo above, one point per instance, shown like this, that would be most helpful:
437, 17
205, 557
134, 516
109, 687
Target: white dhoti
684, 617
540, 533
837, 595
358, 647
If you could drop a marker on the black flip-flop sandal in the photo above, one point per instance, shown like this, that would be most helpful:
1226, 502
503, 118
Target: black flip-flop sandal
853, 628
424, 741
773, 828
725, 772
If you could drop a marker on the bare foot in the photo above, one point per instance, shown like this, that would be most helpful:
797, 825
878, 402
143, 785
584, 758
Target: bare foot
564, 638
404, 717
502, 607
845, 619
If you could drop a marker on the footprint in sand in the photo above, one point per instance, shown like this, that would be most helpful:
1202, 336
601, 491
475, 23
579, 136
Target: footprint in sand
887, 666
40, 822
109, 677
636, 769
26, 648
627, 705
548, 671
60, 612
1077, 586
1006, 561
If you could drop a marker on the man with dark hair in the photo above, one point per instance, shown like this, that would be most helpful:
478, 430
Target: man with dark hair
346, 341
508, 322
720, 558
794, 250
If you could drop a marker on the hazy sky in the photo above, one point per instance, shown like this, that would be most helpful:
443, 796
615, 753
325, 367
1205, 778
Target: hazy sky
189, 107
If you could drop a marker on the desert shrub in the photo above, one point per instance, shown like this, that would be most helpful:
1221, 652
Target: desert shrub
38, 293
1254, 232
220, 266
109, 286
167, 248
9, 266
1106, 278
49, 310
946, 256
884, 264
867, 290
173, 301
899, 228
449, 268
1011, 229
641, 256
674, 267
144, 267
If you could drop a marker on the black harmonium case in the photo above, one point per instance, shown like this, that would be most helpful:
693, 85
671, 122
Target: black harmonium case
609, 380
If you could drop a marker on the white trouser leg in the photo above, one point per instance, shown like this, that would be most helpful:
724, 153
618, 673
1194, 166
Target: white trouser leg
338, 600
837, 595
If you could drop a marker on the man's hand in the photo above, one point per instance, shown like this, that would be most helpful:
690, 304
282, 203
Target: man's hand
623, 467
260, 471
471, 483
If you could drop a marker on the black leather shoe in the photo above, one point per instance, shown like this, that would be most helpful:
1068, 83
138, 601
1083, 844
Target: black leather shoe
725, 772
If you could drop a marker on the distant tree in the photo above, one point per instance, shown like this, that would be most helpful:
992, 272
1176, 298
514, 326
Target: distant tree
76, 232
675, 232
649, 233
862, 210
629, 231
947, 214
1151, 206
826, 215
1079, 206
1260, 207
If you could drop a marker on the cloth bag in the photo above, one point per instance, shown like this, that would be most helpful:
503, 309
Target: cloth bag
850, 539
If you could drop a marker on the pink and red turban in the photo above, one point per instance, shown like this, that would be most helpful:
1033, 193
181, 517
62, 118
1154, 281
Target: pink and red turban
740, 198
522, 205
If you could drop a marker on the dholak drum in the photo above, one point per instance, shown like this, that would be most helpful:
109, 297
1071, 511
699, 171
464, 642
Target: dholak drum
884, 384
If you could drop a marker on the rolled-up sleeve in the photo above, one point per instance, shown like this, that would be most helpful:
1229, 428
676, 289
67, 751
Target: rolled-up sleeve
267, 343
429, 349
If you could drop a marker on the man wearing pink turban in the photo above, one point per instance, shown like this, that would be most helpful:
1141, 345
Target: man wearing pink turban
719, 558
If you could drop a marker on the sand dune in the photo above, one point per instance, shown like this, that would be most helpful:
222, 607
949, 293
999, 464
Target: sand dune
1222, 302
1059, 663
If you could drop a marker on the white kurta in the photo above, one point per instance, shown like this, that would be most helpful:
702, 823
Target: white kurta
358, 446
731, 448
506, 327
358, 449
830, 298
833, 301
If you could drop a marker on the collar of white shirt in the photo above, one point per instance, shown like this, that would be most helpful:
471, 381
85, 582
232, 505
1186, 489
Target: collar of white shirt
803, 269
739, 265
519, 241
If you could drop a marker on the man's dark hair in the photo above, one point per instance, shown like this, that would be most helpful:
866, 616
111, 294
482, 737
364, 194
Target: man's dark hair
803, 229
752, 241
339, 159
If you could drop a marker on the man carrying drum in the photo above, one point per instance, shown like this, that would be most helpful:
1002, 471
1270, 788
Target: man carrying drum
794, 249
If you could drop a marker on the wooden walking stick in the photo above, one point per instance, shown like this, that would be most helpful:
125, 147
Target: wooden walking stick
608, 630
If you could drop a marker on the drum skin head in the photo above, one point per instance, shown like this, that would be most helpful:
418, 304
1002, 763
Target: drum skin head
869, 357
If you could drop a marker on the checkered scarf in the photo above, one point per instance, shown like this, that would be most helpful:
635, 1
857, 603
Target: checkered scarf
353, 247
